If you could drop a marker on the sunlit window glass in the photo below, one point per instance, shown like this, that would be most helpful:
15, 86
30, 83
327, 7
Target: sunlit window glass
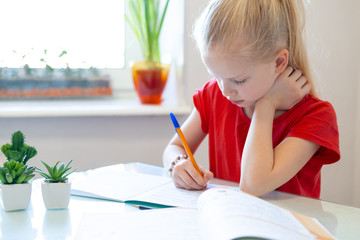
62, 33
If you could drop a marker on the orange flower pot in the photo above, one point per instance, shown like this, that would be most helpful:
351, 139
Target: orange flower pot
149, 80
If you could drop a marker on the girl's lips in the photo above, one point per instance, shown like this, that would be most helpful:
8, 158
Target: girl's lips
237, 102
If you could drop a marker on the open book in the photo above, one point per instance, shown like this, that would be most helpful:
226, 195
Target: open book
222, 213
217, 213
134, 188
228, 214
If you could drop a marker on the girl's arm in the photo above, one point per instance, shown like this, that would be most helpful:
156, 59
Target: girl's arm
263, 169
184, 173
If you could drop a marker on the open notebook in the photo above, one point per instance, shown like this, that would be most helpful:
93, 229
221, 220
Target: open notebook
134, 188
220, 212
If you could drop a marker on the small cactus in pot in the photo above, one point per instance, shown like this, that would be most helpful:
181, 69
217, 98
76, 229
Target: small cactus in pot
15, 174
17, 153
18, 150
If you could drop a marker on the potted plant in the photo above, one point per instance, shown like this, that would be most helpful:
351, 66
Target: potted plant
149, 76
56, 187
15, 175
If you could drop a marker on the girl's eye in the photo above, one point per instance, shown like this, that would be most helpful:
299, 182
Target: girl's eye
239, 81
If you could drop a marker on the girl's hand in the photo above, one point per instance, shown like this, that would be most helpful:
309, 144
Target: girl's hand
288, 89
185, 176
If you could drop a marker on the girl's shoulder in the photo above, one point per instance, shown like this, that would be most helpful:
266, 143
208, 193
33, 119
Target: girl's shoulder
210, 91
310, 107
315, 120
311, 102
210, 85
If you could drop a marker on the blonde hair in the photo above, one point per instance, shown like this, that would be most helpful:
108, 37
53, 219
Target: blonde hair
265, 26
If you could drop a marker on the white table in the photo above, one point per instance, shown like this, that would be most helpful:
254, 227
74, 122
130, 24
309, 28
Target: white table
38, 223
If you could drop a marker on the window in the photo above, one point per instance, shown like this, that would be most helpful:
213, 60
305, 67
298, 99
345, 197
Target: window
90, 31
81, 35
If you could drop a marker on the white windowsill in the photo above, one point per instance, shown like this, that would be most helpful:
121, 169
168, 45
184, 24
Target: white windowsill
74, 108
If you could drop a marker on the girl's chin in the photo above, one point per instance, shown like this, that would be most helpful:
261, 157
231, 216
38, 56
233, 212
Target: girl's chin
241, 104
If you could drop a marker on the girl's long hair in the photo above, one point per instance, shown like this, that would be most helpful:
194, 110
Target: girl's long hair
263, 27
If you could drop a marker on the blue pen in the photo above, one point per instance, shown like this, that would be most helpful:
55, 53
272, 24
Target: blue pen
184, 142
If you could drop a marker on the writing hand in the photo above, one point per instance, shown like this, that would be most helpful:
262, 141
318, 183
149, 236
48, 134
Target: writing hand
185, 176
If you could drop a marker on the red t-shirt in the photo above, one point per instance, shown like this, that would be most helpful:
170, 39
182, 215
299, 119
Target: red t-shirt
227, 126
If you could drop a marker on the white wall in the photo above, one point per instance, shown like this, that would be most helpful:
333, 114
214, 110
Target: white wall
92, 141
97, 141
333, 40
356, 188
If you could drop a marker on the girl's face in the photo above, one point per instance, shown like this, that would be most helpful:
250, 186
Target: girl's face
241, 81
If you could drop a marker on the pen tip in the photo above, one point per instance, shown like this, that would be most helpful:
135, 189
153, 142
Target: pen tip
173, 119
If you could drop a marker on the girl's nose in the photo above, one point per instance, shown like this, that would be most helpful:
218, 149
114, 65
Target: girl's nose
227, 90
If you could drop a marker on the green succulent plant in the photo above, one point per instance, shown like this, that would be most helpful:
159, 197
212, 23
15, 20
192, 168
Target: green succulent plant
17, 154
55, 174
18, 150
14, 172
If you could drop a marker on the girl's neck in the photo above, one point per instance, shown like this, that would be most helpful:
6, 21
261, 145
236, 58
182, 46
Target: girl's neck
248, 112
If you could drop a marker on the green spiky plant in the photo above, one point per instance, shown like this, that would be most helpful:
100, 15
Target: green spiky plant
14, 172
18, 150
55, 174
17, 154
146, 20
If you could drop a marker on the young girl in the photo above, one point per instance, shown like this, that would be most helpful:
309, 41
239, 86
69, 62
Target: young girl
266, 128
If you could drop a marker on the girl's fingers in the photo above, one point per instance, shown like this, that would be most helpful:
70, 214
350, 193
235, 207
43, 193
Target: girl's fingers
306, 88
288, 71
179, 183
208, 176
304, 85
188, 182
187, 176
301, 81
198, 178
296, 74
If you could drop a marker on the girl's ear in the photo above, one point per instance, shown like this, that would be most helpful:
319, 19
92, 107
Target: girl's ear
281, 60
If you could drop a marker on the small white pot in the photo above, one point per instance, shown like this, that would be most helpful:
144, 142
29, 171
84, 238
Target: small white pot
56, 195
15, 196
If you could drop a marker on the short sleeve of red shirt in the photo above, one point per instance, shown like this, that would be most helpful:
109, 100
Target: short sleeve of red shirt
201, 103
317, 124
313, 120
